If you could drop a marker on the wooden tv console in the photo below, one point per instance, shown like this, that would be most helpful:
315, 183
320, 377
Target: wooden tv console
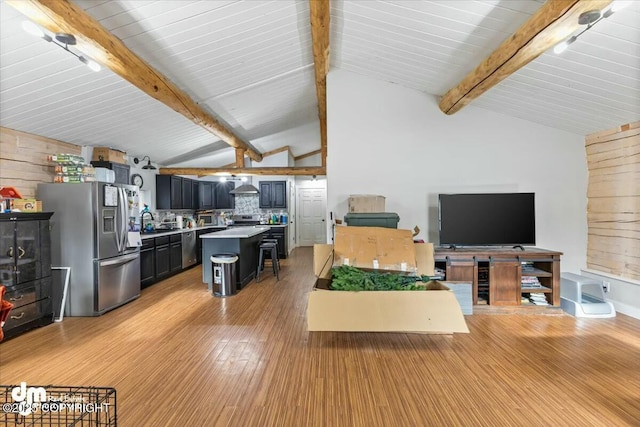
496, 273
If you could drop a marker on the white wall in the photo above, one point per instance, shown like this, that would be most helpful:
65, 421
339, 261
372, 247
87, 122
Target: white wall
389, 140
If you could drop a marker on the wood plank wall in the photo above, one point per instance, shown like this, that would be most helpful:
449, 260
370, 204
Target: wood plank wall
23, 159
613, 209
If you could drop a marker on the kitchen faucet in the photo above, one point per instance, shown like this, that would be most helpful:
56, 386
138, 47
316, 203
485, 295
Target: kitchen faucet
146, 211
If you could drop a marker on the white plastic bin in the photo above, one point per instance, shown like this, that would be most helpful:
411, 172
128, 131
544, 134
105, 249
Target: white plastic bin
583, 296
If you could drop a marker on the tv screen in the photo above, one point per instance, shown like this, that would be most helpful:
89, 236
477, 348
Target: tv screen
487, 219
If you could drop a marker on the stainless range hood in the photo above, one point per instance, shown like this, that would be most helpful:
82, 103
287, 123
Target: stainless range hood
245, 189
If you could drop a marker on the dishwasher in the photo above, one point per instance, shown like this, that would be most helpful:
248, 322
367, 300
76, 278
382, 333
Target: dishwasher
188, 248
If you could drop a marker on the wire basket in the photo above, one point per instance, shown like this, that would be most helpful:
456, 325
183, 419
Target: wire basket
22, 405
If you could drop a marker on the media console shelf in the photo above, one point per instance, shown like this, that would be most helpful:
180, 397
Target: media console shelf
500, 276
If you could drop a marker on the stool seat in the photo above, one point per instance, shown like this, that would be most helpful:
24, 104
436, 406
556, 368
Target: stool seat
270, 249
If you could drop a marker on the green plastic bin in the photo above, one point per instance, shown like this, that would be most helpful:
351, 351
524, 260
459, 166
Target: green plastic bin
377, 219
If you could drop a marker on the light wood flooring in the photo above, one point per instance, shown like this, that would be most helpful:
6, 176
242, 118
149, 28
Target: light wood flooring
179, 357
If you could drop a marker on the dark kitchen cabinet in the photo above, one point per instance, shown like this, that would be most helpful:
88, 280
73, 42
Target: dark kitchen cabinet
273, 194
195, 194
175, 253
176, 192
147, 263
207, 195
168, 192
187, 193
281, 235
224, 200
25, 270
120, 170
163, 258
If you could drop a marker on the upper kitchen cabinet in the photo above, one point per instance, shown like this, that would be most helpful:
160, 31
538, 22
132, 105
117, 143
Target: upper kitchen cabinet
187, 193
195, 194
273, 194
207, 191
224, 200
169, 192
120, 170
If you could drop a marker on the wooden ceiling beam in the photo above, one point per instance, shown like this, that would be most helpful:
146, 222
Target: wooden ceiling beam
313, 170
320, 14
102, 46
239, 157
555, 21
309, 154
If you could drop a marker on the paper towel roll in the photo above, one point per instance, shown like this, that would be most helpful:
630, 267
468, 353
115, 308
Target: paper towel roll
179, 221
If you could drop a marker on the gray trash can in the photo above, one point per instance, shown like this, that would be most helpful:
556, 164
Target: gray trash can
224, 274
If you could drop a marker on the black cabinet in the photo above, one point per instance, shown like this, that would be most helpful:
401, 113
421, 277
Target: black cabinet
25, 269
176, 192
195, 194
281, 234
207, 192
273, 194
187, 193
224, 200
120, 170
163, 258
175, 253
168, 192
147, 263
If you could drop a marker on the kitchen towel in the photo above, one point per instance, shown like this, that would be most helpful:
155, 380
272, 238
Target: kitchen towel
134, 240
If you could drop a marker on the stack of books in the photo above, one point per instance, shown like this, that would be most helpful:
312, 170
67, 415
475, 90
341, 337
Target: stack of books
538, 299
531, 282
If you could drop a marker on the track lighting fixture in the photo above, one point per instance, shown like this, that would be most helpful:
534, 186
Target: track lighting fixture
62, 40
590, 18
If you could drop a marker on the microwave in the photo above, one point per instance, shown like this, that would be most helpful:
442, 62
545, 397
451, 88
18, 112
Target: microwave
208, 219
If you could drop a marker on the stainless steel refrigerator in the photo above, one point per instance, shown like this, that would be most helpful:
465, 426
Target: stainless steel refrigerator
89, 233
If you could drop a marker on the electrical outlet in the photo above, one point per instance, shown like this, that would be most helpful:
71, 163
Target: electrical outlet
606, 286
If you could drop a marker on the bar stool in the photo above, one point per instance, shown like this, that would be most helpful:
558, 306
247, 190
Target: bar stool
270, 249
267, 239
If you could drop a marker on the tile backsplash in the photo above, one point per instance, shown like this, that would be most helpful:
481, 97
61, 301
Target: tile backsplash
247, 204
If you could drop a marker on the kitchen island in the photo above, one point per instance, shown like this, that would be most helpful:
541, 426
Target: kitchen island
242, 241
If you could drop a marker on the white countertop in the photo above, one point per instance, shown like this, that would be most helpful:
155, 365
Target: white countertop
237, 232
215, 228
144, 236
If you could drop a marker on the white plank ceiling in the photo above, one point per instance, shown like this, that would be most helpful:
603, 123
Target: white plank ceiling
250, 64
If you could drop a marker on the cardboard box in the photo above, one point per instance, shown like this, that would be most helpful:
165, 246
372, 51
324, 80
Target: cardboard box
106, 154
435, 310
366, 203
27, 205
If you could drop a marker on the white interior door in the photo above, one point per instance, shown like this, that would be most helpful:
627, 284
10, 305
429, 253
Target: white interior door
312, 207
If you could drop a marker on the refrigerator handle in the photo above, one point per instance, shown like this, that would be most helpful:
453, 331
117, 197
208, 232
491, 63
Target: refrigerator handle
122, 243
119, 260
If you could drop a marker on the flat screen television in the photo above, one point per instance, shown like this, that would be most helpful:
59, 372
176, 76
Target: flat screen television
487, 219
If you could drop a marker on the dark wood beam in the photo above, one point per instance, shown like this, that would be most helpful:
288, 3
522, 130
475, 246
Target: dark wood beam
245, 171
555, 21
320, 14
102, 46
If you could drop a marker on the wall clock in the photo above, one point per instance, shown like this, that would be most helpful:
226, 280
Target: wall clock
136, 179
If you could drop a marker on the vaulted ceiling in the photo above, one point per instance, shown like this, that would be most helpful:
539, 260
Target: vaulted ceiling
250, 64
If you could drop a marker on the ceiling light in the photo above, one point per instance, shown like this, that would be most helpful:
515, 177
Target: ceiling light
147, 166
562, 46
589, 18
63, 40
90, 63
